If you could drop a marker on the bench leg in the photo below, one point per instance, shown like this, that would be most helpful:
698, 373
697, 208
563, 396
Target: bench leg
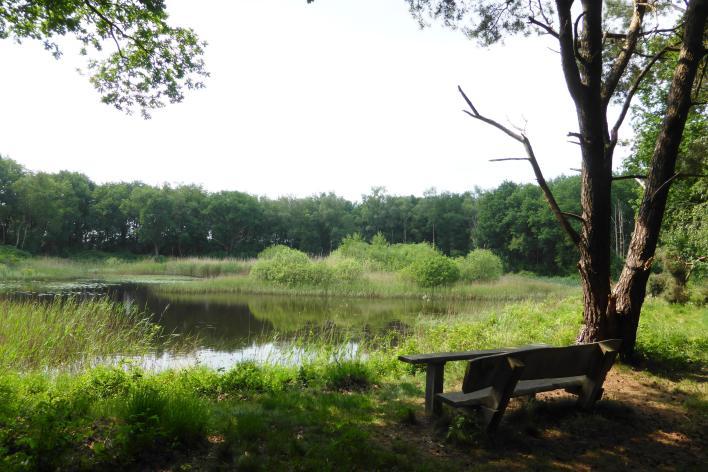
503, 388
592, 391
434, 379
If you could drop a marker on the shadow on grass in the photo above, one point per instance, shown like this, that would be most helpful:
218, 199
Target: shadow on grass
554, 434
674, 368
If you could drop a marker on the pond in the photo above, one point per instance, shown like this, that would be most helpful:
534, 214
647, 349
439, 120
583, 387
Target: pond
230, 328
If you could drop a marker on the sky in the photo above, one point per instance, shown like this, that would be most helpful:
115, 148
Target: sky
339, 95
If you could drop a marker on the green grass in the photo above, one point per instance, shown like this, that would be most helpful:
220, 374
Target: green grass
54, 268
357, 414
38, 335
385, 285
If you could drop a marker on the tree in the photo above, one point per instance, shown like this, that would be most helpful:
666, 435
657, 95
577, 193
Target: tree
154, 208
10, 172
109, 219
601, 67
152, 62
234, 218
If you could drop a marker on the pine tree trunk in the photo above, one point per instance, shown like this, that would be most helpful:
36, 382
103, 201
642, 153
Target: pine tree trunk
596, 179
631, 287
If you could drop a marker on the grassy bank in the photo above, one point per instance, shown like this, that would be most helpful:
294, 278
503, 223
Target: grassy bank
361, 414
53, 268
385, 285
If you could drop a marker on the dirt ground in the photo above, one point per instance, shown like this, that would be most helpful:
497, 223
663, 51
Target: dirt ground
643, 422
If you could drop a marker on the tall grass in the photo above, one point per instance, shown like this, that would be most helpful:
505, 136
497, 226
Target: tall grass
383, 285
191, 267
36, 335
47, 268
54, 268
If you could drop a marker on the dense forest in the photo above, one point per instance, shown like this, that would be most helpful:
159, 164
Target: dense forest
65, 213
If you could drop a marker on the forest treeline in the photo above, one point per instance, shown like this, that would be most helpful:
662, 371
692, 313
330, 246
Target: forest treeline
65, 213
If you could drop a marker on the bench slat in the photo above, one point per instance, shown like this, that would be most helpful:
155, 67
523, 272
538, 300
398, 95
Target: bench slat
444, 357
458, 399
527, 387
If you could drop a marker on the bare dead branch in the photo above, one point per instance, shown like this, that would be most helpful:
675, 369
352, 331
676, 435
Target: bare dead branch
544, 26
562, 219
510, 159
629, 177
623, 36
661, 187
476, 115
573, 215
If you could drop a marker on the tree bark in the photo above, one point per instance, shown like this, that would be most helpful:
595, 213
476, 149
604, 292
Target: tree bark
596, 174
630, 290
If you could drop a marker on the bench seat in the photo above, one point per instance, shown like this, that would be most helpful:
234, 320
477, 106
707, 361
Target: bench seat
523, 387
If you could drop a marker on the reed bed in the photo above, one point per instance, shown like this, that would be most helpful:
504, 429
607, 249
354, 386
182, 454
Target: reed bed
70, 332
384, 285
54, 268
190, 267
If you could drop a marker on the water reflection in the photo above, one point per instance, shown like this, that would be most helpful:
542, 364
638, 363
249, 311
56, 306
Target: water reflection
269, 352
234, 328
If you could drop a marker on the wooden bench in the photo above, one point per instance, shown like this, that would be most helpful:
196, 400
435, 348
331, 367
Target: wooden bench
492, 380
435, 370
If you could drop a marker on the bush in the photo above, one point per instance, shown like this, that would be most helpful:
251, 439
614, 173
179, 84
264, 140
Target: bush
10, 255
675, 292
657, 283
403, 255
379, 255
280, 251
346, 269
353, 247
433, 271
480, 265
287, 266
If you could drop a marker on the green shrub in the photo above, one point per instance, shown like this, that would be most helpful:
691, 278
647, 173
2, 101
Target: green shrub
404, 255
675, 292
382, 256
480, 265
10, 255
354, 247
433, 271
346, 269
280, 251
657, 283
287, 266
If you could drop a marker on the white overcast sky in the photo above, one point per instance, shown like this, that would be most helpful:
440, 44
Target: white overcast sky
340, 96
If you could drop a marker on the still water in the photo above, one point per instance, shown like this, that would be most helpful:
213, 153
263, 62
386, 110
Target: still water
231, 328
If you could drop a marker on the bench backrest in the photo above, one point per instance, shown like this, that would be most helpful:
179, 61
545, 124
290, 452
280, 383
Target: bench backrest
539, 363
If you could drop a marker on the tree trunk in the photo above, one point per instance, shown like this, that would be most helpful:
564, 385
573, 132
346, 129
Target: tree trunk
596, 178
631, 288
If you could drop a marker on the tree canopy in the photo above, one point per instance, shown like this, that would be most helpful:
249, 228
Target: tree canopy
66, 213
136, 60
